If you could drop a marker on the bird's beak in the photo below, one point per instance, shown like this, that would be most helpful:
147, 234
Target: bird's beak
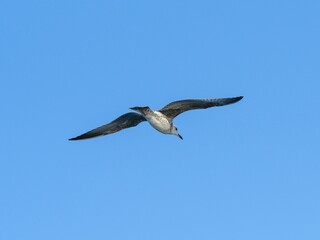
180, 136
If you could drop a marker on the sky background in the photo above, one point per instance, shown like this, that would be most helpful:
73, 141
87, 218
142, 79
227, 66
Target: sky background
244, 171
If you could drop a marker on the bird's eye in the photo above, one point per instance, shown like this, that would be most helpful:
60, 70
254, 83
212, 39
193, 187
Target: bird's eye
176, 128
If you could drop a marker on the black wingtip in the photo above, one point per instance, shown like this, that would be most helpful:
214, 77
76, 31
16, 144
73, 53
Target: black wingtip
75, 138
81, 137
236, 99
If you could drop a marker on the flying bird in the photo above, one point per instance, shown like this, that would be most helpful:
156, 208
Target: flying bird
161, 120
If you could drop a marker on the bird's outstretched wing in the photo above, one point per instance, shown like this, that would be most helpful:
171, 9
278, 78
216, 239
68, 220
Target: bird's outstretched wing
175, 108
127, 120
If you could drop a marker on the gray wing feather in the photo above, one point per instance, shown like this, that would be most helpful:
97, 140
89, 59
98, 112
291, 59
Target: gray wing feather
124, 121
175, 108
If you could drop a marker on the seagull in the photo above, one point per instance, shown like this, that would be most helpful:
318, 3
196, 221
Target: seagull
161, 120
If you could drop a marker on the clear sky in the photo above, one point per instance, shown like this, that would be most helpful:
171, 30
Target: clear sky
244, 171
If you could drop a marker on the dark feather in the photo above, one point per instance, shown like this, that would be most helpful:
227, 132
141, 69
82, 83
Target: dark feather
125, 121
175, 108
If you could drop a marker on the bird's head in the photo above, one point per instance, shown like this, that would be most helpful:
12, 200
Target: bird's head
174, 131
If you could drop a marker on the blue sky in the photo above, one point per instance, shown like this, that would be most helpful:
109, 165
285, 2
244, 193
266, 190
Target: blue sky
244, 171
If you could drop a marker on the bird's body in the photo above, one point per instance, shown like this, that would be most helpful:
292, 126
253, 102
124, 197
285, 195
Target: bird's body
161, 120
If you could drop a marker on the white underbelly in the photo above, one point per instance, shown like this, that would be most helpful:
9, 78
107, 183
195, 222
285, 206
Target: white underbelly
159, 123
